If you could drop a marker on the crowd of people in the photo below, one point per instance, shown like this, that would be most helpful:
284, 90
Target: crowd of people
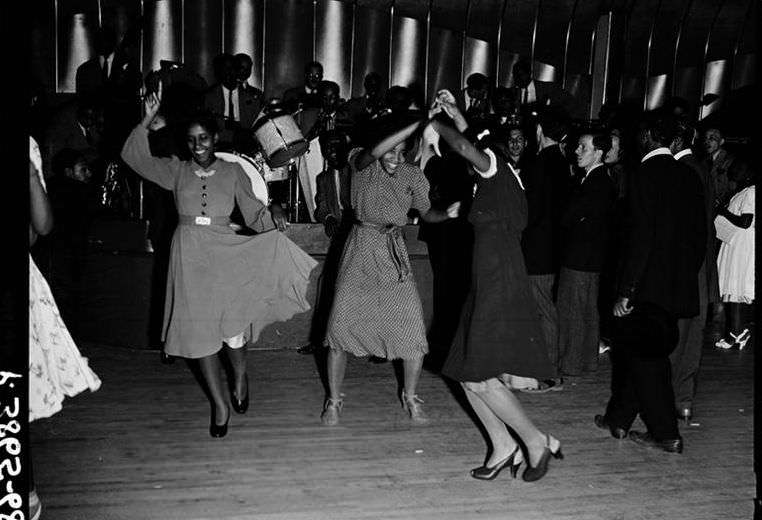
551, 241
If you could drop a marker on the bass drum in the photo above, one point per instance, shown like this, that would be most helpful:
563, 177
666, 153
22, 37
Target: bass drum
280, 138
258, 184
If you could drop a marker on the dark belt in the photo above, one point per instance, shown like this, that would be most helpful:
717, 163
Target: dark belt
395, 244
193, 220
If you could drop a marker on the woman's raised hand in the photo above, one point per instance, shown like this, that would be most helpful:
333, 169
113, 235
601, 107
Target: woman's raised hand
435, 108
152, 102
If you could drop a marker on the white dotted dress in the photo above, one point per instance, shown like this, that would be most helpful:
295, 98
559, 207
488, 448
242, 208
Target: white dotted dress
377, 310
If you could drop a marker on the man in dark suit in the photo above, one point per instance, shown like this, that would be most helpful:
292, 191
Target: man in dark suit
450, 245
243, 65
77, 126
110, 73
718, 162
664, 249
305, 95
236, 109
687, 356
585, 225
548, 186
473, 101
532, 95
363, 108
115, 79
334, 210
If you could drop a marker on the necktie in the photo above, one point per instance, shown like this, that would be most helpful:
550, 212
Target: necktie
231, 109
105, 69
525, 98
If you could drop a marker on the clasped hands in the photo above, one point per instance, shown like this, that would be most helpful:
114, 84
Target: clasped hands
444, 102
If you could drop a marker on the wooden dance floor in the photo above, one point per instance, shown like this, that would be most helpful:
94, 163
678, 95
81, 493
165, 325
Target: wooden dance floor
139, 449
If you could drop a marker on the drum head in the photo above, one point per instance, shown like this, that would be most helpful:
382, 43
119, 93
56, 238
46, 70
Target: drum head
258, 184
283, 155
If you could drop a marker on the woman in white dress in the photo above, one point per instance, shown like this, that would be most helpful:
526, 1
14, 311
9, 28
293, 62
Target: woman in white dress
56, 368
735, 261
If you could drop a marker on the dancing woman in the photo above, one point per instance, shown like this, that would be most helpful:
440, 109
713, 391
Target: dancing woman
499, 335
377, 310
219, 284
56, 367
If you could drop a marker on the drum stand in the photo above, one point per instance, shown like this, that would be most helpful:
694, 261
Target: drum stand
293, 191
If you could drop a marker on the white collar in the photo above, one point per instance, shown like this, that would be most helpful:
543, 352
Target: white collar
683, 153
662, 150
591, 170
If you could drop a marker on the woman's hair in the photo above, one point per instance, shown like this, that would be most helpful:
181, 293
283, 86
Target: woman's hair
204, 119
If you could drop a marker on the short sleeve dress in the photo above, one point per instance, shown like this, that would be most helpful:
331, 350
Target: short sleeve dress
377, 310
56, 367
220, 285
499, 332
735, 261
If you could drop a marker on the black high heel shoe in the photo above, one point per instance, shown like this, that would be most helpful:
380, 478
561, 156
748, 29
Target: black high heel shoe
218, 430
241, 405
532, 474
491, 473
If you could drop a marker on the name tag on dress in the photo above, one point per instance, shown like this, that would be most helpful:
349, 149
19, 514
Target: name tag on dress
203, 221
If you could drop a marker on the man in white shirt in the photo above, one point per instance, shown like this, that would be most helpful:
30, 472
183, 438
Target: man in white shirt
530, 94
236, 109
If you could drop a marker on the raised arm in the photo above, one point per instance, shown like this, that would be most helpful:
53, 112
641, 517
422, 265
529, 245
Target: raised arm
368, 155
454, 136
137, 153
462, 146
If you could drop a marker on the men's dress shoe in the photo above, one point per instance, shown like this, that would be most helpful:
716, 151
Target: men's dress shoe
616, 431
669, 445
306, 349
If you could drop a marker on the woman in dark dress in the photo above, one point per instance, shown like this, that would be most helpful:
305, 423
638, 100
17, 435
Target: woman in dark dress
499, 335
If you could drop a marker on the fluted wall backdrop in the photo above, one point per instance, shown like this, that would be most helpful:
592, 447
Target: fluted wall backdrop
636, 50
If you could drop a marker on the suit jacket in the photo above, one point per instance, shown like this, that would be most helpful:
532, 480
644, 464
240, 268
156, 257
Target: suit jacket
123, 82
586, 222
480, 110
666, 237
548, 93
65, 132
249, 104
547, 185
719, 169
449, 182
295, 96
326, 197
709, 290
358, 110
